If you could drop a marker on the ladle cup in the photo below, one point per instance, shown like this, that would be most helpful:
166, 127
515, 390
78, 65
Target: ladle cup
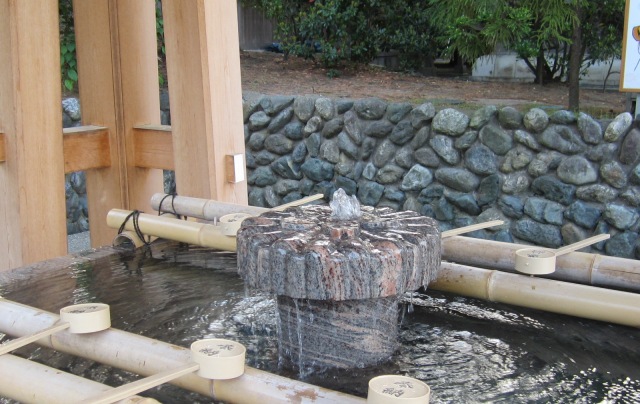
540, 261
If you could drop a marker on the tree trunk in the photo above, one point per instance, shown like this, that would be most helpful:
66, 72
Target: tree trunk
540, 64
575, 59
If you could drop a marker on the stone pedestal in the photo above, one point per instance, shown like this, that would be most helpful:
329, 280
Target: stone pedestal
346, 334
338, 281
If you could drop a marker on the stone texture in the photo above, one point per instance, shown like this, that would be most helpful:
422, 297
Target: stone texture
488, 190
256, 141
466, 141
347, 146
262, 176
572, 234
313, 125
259, 120
583, 214
563, 117
313, 144
427, 157
619, 216
417, 178
516, 159
596, 193
482, 116
420, 138
443, 146
383, 153
402, 133
544, 211
622, 245
369, 192
352, 127
396, 111
294, 131
273, 104
422, 115
450, 122
602, 152
379, 129
317, 169
526, 139
286, 168
303, 107
278, 144
496, 139
404, 158
545, 235
618, 127
389, 174
515, 183
536, 120
481, 160
511, 206
458, 179
463, 201
332, 128
370, 108
280, 120
590, 129
630, 148
554, 189
510, 118
563, 139
613, 173
325, 108
329, 151
544, 162
577, 170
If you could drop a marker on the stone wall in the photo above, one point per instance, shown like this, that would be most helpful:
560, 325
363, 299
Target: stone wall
554, 179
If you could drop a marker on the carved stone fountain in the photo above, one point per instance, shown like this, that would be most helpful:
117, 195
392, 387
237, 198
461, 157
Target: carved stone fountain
338, 273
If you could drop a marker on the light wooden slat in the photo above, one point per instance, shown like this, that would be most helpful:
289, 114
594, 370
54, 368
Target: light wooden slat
86, 148
203, 68
153, 146
118, 70
3, 153
32, 201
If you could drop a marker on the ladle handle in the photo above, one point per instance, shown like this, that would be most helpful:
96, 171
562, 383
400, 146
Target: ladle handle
27, 339
581, 244
473, 227
140, 385
298, 202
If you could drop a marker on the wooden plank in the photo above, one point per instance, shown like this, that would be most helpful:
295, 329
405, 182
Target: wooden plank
118, 72
153, 147
32, 201
3, 155
203, 68
86, 148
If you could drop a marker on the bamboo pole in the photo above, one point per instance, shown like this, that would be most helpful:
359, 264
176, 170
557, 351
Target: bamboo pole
202, 234
200, 208
146, 356
590, 269
30, 382
543, 294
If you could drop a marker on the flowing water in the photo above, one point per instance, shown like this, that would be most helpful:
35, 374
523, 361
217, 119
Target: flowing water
467, 350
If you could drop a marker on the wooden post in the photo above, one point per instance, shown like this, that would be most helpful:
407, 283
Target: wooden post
32, 202
203, 68
118, 71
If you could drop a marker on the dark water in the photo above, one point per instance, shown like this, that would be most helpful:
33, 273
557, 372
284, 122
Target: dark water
467, 350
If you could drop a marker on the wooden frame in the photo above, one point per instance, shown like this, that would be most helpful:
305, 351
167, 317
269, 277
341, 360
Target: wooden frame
121, 146
630, 66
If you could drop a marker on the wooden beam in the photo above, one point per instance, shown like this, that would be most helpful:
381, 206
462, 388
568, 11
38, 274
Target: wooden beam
32, 201
153, 146
86, 148
3, 147
203, 68
118, 73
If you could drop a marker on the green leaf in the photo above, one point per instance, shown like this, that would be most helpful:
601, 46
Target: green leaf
72, 74
69, 84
